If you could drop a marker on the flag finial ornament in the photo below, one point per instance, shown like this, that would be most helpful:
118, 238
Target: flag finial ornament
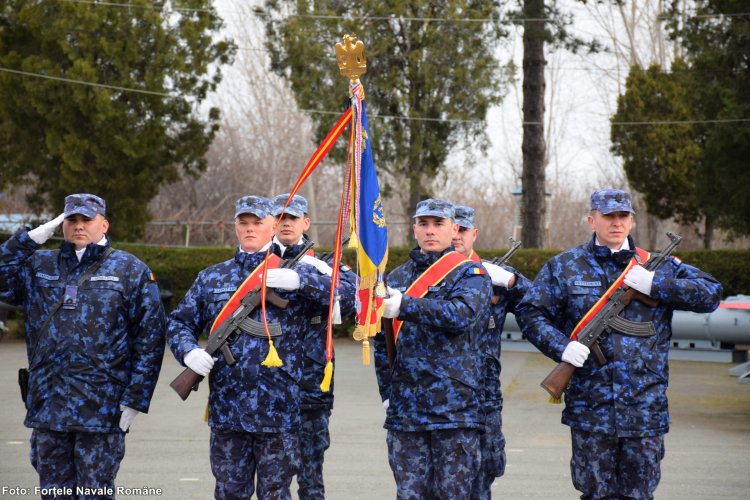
350, 56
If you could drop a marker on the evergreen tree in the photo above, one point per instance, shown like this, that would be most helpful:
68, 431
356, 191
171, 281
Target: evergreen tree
104, 98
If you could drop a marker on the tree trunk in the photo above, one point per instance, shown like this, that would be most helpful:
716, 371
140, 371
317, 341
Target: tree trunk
533, 145
708, 234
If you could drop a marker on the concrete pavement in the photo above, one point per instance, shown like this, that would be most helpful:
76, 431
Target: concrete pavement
706, 458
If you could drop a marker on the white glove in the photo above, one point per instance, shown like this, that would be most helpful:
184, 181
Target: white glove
640, 279
126, 417
498, 275
575, 353
386, 403
199, 361
392, 303
44, 232
285, 279
317, 264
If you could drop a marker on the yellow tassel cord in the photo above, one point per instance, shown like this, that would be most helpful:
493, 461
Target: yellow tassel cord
273, 359
554, 400
205, 414
366, 352
325, 385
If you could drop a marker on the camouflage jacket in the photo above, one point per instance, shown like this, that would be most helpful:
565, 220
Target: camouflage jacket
626, 396
492, 340
314, 361
248, 396
104, 353
436, 379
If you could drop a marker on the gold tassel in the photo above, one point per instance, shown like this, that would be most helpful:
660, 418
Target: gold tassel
325, 385
205, 414
273, 359
554, 400
365, 352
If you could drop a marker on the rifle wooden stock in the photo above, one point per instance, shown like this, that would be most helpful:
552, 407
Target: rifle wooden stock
186, 382
558, 379
390, 340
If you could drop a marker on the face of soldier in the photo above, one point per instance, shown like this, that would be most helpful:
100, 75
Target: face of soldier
290, 229
434, 234
611, 229
81, 230
463, 241
253, 232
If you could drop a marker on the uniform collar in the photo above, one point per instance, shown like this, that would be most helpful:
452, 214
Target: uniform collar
621, 257
92, 251
425, 260
290, 251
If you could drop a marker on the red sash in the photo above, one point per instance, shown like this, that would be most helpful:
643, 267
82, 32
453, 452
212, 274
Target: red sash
475, 257
644, 256
431, 277
250, 283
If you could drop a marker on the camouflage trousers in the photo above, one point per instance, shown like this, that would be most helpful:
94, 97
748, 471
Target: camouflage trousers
71, 460
492, 444
434, 464
314, 440
237, 457
608, 467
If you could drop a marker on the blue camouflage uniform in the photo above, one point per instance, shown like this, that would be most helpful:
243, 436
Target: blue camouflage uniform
493, 441
253, 409
316, 405
618, 411
105, 352
435, 416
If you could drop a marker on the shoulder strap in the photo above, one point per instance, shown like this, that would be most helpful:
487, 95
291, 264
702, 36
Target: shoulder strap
430, 277
59, 303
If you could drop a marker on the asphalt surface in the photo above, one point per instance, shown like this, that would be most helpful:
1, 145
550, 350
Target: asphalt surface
707, 447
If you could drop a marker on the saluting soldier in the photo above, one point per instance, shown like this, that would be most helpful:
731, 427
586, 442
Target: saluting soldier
617, 411
508, 288
94, 340
253, 409
316, 405
439, 301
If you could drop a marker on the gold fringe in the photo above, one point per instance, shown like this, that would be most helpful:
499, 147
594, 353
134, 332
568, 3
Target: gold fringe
205, 414
325, 385
273, 359
365, 352
554, 400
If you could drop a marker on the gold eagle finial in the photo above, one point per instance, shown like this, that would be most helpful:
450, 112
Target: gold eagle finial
351, 57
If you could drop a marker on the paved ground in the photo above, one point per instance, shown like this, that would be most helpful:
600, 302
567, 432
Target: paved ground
707, 449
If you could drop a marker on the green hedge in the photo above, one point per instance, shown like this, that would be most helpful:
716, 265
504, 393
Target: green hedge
179, 266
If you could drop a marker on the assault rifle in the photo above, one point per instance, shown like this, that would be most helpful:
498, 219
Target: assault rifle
607, 319
218, 341
514, 246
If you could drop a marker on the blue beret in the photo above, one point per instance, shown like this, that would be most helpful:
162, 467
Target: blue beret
88, 205
435, 208
608, 201
297, 207
256, 205
464, 216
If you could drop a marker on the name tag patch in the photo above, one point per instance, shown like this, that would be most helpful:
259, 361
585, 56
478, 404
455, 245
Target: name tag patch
223, 290
587, 283
104, 278
316, 320
49, 277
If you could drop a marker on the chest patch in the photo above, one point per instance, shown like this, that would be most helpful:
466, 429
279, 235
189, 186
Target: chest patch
48, 277
587, 283
316, 320
104, 278
223, 290
491, 325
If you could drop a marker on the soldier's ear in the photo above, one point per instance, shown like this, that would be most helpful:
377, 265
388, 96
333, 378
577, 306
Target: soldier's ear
105, 226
